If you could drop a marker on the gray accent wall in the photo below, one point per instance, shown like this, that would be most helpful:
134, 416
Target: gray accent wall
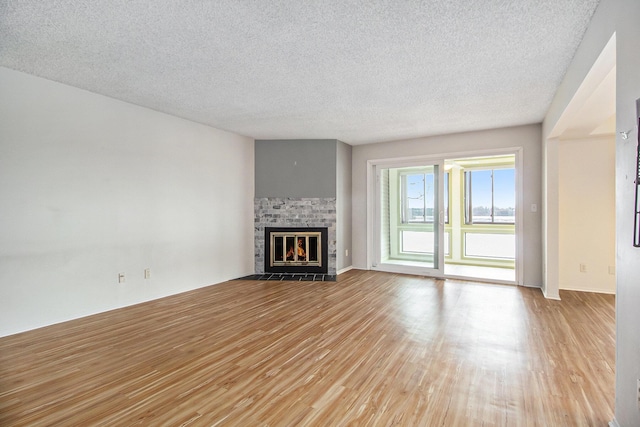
295, 168
304, 182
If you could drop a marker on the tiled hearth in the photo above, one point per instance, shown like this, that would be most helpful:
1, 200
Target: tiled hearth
294, 213
282, 277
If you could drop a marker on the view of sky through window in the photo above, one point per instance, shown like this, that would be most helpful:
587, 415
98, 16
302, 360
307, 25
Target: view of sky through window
499, 184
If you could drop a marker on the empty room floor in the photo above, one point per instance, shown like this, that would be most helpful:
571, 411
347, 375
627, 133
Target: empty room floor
371, 348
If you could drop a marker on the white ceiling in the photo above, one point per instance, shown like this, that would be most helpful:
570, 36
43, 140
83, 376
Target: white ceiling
359, 71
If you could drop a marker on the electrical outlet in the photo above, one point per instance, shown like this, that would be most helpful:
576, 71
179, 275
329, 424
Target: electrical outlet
346, 252
638, 392
121, 278
147, 273
583, 268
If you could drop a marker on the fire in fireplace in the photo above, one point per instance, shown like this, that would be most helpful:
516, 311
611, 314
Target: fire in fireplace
295, 250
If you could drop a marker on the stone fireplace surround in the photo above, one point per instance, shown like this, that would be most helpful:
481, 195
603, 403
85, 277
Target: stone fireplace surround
298, 213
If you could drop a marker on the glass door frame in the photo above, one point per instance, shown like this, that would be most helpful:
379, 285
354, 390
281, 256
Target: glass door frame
372, 249
374, 255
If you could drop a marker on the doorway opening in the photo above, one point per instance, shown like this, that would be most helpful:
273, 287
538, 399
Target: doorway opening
480, 220
449, 217
579, 191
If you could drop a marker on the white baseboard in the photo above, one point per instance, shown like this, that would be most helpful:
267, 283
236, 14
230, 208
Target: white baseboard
344, 270
554, 297
595, 291
531, 286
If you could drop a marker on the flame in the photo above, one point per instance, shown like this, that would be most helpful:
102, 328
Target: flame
302, 255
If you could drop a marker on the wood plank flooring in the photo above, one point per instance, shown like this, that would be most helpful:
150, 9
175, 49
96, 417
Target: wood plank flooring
372, 349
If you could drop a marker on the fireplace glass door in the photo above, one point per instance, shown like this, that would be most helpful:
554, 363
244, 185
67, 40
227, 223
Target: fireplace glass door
296, 249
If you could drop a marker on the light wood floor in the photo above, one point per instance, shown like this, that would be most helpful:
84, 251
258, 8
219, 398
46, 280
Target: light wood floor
370, 349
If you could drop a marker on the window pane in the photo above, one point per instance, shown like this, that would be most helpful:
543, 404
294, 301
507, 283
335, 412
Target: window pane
301, 250
418, 241
490, 245
419, 197
493, 195
278, 252
481, 196
414, 201
291, 245
504, 195
313, 248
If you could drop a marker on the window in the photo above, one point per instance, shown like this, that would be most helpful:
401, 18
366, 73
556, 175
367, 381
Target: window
490, 196
417, 197
485, 245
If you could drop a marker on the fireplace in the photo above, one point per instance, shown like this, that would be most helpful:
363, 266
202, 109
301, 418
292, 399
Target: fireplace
296, 250
289, 214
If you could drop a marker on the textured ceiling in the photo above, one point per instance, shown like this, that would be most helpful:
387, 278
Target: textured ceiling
359, 71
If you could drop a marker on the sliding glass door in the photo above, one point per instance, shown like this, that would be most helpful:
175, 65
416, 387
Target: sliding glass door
409, 219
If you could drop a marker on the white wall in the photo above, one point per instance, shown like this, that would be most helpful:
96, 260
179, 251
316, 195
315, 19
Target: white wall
528, 137
91, 187
620, 17
343, 206
587, 214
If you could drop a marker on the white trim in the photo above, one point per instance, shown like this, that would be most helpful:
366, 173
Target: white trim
478, 279
403, 269
595, 291
532, 286
371, 214
417, 160
344, 270
614, 423
520, 207
553, 297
